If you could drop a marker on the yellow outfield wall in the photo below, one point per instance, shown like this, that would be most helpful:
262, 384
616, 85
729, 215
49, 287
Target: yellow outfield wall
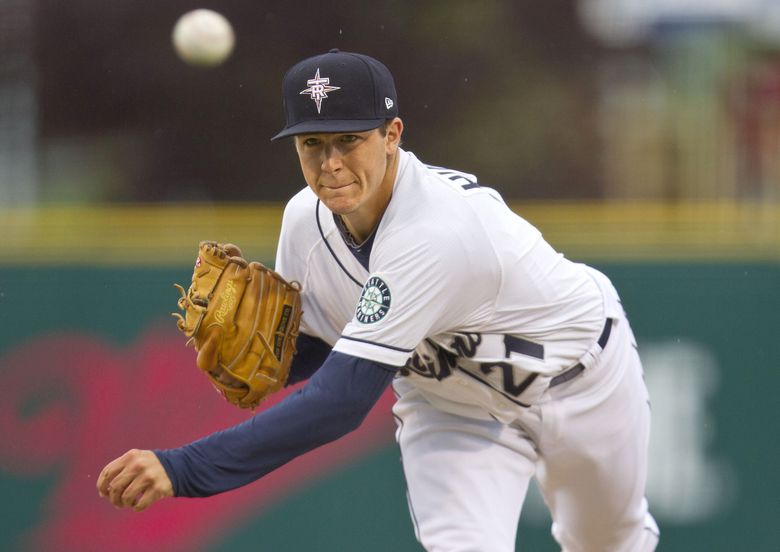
121, 235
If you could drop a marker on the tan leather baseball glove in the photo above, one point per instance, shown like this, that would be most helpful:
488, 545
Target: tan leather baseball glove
243, 319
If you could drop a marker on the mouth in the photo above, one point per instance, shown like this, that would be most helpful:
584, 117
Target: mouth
336, 185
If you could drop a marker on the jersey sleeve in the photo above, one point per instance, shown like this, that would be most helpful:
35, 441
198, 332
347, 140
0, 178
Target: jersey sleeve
420, 290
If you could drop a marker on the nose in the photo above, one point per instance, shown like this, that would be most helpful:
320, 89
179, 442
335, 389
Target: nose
331, 159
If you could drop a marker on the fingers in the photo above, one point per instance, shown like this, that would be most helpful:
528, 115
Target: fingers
143, 501
108, 474
233, 250
135, 492
136, 480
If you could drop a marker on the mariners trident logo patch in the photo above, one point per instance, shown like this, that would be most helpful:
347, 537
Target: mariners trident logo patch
319, 88
374, 301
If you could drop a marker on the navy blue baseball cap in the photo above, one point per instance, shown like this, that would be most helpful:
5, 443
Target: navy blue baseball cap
337, 92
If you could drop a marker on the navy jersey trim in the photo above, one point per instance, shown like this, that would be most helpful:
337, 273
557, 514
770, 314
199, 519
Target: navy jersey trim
333, 253
377, 344
361, 252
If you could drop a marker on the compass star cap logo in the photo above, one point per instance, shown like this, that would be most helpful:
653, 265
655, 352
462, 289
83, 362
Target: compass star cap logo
318, 89
337, 92
374, 303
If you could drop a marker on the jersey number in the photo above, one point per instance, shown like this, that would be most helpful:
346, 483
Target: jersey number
466, 181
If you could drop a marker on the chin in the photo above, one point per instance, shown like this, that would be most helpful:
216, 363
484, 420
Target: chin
339, 206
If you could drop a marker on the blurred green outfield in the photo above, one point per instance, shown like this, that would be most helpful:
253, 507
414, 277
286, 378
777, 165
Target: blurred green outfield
93, 366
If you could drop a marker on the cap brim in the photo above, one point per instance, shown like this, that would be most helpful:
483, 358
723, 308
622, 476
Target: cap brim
323, 125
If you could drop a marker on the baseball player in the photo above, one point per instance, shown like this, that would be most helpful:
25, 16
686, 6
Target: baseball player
508, 360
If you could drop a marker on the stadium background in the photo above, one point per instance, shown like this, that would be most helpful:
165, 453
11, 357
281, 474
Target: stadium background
643, 138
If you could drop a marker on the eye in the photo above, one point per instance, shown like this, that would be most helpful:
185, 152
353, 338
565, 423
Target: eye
311, 141
349, 138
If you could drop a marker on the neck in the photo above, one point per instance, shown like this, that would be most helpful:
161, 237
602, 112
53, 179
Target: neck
362, 222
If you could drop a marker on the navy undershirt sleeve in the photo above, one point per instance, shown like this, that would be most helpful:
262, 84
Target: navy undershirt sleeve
334, 402
311, 353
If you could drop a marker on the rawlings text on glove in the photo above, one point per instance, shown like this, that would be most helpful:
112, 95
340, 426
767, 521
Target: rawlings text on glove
243, 319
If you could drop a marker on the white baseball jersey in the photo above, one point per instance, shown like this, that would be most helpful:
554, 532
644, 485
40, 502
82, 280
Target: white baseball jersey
461, 291
482, 313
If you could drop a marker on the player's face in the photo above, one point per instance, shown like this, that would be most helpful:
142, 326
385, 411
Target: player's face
352, 173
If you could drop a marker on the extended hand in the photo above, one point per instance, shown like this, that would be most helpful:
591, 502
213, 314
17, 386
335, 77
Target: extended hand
136, 480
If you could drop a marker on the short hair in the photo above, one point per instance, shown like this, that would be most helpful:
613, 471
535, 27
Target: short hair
384, 126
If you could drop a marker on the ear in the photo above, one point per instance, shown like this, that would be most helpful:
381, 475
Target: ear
393, 137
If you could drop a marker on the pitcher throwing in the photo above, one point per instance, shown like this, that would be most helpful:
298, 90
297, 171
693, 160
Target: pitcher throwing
509, 361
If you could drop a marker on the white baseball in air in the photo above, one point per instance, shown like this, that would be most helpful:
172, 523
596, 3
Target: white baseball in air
203, 37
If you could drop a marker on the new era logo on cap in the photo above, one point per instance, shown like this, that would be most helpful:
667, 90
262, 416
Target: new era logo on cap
337, 92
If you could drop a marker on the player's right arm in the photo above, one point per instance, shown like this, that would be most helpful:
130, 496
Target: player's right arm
136, 479
334, 402
310, 354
